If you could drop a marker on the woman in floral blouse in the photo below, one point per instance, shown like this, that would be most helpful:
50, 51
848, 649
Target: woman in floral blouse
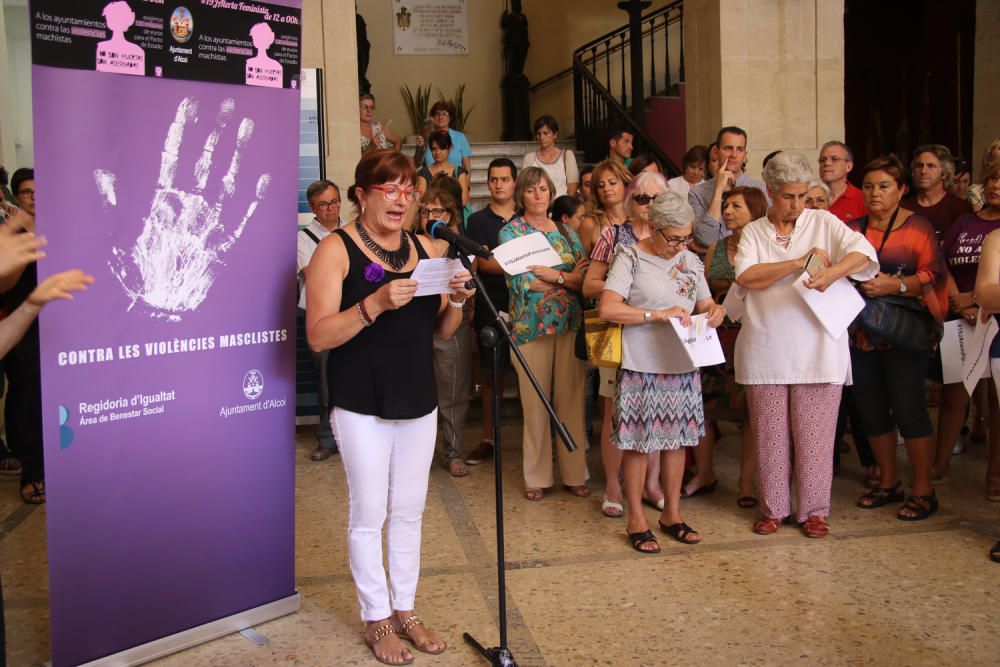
545, 313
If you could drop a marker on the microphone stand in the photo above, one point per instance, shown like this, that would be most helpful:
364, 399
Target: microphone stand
500, 656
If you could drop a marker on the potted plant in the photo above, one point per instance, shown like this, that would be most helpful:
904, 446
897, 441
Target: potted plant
417, 106
461, 115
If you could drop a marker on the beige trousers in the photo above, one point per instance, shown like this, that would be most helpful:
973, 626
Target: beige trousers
561, 376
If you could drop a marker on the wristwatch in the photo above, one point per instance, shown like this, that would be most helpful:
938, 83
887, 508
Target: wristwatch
561, 279
648, 316
902, 286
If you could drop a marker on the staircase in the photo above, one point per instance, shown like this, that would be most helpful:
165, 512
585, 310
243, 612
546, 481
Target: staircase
485, 152
603, 95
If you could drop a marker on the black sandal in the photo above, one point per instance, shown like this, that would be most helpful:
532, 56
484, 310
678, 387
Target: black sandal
915, 504
747, 502
881, 496
680, 532
33, 493
995, 553
641, 538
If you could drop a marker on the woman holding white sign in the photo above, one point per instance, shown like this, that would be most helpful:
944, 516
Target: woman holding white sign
657, 403
545, 313
792, 368
962, 247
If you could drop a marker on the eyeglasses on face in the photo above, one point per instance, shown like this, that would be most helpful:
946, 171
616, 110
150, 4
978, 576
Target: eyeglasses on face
327, 204
435, 213
442, 113
642, 198
26, 193
393, 192
368, 107
673, 241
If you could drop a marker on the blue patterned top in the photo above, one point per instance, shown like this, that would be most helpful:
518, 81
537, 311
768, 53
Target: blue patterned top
557, 310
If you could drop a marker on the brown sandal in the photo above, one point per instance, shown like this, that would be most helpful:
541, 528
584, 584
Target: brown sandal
33, 493
376, 632
579, 491
407, 625
534, 495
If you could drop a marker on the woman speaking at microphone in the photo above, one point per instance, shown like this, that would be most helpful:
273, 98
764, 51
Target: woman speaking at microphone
362, 308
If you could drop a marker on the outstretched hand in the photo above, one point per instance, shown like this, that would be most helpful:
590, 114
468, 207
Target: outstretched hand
60, 286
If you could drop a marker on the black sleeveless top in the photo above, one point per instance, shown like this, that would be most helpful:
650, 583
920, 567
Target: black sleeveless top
387, 370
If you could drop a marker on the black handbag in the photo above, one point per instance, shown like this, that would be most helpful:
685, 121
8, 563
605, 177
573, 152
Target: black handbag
900, 321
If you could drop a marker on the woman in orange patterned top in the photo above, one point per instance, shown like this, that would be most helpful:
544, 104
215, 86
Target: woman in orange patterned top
889, 375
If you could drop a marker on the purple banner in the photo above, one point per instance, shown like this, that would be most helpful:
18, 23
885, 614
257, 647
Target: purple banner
168, 387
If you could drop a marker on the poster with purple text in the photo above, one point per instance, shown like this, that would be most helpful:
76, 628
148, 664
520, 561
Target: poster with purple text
166, 140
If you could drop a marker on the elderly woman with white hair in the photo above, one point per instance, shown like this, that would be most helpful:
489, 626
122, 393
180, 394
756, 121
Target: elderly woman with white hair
657, 403
818, 195
641, 192
794, 390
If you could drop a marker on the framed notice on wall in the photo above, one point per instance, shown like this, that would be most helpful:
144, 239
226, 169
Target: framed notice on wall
430, 27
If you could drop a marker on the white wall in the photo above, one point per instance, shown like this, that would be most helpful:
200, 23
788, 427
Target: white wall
15, 110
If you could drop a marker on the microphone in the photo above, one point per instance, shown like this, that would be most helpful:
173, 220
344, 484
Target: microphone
439, 229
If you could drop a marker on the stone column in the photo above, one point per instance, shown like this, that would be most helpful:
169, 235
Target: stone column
773, 67
985, 102
329, 41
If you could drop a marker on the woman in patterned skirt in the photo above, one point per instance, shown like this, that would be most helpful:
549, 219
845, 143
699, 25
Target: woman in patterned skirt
657, 403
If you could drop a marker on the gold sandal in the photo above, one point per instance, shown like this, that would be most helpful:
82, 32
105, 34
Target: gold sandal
375, 633
405, 626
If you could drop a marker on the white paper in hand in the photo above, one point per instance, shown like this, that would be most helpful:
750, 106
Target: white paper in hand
701, 342
433, 275
955, 347
735, 303
977, 358
835, 308
516, 255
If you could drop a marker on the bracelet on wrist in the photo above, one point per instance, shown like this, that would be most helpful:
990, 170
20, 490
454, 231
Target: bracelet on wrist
456, 304
365, 317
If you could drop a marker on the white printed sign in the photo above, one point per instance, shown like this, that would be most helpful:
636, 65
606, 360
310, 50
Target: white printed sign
977, 359
430, 27
701, 342
516, 255
954, 350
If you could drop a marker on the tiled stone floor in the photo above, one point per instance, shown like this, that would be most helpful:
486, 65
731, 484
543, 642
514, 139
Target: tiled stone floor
877, 591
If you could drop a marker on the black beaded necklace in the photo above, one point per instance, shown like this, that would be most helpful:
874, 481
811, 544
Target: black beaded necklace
395, 259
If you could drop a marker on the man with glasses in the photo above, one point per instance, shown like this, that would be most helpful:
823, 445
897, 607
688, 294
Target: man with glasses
22, 184
324, 200
706, 197
835, 162
442, 113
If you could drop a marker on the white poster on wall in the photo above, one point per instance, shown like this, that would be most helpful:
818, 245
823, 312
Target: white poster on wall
430, 27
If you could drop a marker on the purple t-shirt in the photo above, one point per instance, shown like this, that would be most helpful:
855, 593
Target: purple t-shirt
961, 247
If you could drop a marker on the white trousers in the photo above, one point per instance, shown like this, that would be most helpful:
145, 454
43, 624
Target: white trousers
387, 463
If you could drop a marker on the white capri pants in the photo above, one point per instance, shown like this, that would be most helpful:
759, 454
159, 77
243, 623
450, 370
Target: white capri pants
387, 463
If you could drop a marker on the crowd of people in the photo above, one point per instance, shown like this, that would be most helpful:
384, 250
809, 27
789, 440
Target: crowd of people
919, 243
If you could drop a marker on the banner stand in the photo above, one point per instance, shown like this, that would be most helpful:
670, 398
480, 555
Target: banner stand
160, 648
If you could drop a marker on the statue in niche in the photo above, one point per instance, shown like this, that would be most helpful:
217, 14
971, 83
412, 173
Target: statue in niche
515, 38
364, 48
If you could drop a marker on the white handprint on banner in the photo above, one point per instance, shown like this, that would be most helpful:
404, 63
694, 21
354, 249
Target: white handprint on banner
174, 261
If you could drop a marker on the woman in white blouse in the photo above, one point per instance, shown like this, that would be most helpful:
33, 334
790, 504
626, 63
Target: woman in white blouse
792, 368
559, 164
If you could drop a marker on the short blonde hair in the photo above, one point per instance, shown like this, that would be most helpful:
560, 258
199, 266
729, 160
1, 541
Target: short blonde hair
531, 176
